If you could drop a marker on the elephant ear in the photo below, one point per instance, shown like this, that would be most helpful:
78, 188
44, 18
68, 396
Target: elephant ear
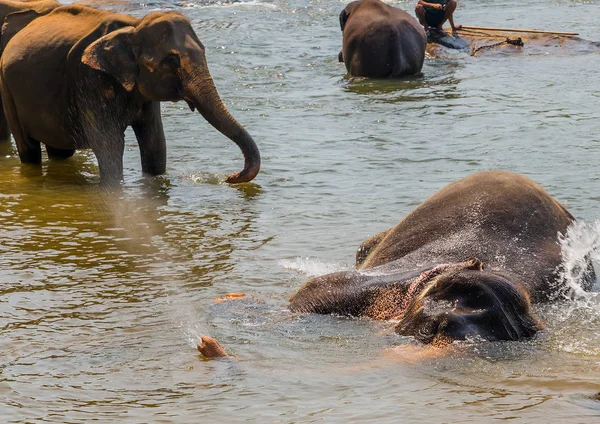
113, 54
348, 11
343, 18
15, 22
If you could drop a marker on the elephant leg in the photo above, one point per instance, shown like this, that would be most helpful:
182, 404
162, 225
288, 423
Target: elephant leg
102, 130
4, 130
54, 153
149, 132
110, 158
30, 150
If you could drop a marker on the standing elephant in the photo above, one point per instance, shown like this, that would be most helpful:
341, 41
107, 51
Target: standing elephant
78, 77
381, 41
22, 13
26, 11
467, 262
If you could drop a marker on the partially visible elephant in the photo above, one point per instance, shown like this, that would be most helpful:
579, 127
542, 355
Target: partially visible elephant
484, 43
467, 262
22, 13
28, 10
78, 77
380, 41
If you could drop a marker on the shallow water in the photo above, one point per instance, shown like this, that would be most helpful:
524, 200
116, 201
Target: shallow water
103, 294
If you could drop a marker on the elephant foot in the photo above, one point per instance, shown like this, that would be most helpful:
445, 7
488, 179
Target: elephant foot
230, 296
210, 348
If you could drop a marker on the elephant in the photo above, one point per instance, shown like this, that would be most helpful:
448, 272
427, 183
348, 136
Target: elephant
380, 41
485, 43
28, 10
78, 77
467, 263
22, 13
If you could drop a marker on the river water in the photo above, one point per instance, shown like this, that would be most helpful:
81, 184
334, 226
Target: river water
104, 294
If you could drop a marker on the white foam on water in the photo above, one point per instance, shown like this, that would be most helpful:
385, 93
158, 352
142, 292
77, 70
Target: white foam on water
191, 332
580, 244
311, 267
581, 308
226, 3
579, 347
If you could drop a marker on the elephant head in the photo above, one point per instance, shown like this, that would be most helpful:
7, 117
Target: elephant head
163, 59
436, 305
467, 302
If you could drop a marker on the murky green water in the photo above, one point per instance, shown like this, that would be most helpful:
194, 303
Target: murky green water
103, 294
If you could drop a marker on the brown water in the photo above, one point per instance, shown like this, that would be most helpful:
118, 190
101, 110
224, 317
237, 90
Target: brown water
103, 294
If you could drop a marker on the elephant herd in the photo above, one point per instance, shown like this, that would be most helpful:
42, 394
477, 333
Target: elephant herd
468, 262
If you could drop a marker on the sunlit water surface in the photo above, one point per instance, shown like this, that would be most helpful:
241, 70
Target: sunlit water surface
103, 294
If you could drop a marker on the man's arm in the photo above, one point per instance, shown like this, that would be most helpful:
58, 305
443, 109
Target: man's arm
430, 5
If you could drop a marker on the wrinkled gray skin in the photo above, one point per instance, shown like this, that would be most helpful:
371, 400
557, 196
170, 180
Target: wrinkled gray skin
496, 234
78, 77
22, 13
380, 41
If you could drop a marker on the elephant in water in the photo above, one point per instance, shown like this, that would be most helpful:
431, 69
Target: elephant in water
467, 262
380, 41
78, 77
22, 13
482, 42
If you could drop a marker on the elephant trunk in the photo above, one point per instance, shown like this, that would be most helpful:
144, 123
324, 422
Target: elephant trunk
202, 94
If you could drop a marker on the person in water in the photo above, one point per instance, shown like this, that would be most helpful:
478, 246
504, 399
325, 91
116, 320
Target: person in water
432, 14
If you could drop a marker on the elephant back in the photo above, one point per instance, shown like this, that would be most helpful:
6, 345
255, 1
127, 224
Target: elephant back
502, 218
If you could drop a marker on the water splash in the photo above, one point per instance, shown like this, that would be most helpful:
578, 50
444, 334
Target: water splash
192, 332
579, 246
576, 310
312, 267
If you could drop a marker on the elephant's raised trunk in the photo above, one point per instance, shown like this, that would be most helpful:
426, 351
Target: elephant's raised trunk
202, 94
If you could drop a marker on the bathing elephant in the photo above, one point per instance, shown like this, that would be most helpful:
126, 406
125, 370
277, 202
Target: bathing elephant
22, 13
380, 41
490, 43
78, 77
468, 261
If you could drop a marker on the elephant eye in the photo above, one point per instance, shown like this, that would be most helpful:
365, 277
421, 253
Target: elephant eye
171, 61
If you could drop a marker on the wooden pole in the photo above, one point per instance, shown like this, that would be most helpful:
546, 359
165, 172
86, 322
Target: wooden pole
535, 31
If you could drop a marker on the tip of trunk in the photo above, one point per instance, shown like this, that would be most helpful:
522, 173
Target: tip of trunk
244, 176
251, 159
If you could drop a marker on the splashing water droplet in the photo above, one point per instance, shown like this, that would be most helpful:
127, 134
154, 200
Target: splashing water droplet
311, 267
580, 248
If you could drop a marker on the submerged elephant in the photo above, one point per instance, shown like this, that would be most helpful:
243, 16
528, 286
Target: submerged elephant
78, 77
468, 261
22, 13
482, 42
380, 41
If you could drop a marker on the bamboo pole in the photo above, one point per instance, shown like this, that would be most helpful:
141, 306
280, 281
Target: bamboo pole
535, 31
